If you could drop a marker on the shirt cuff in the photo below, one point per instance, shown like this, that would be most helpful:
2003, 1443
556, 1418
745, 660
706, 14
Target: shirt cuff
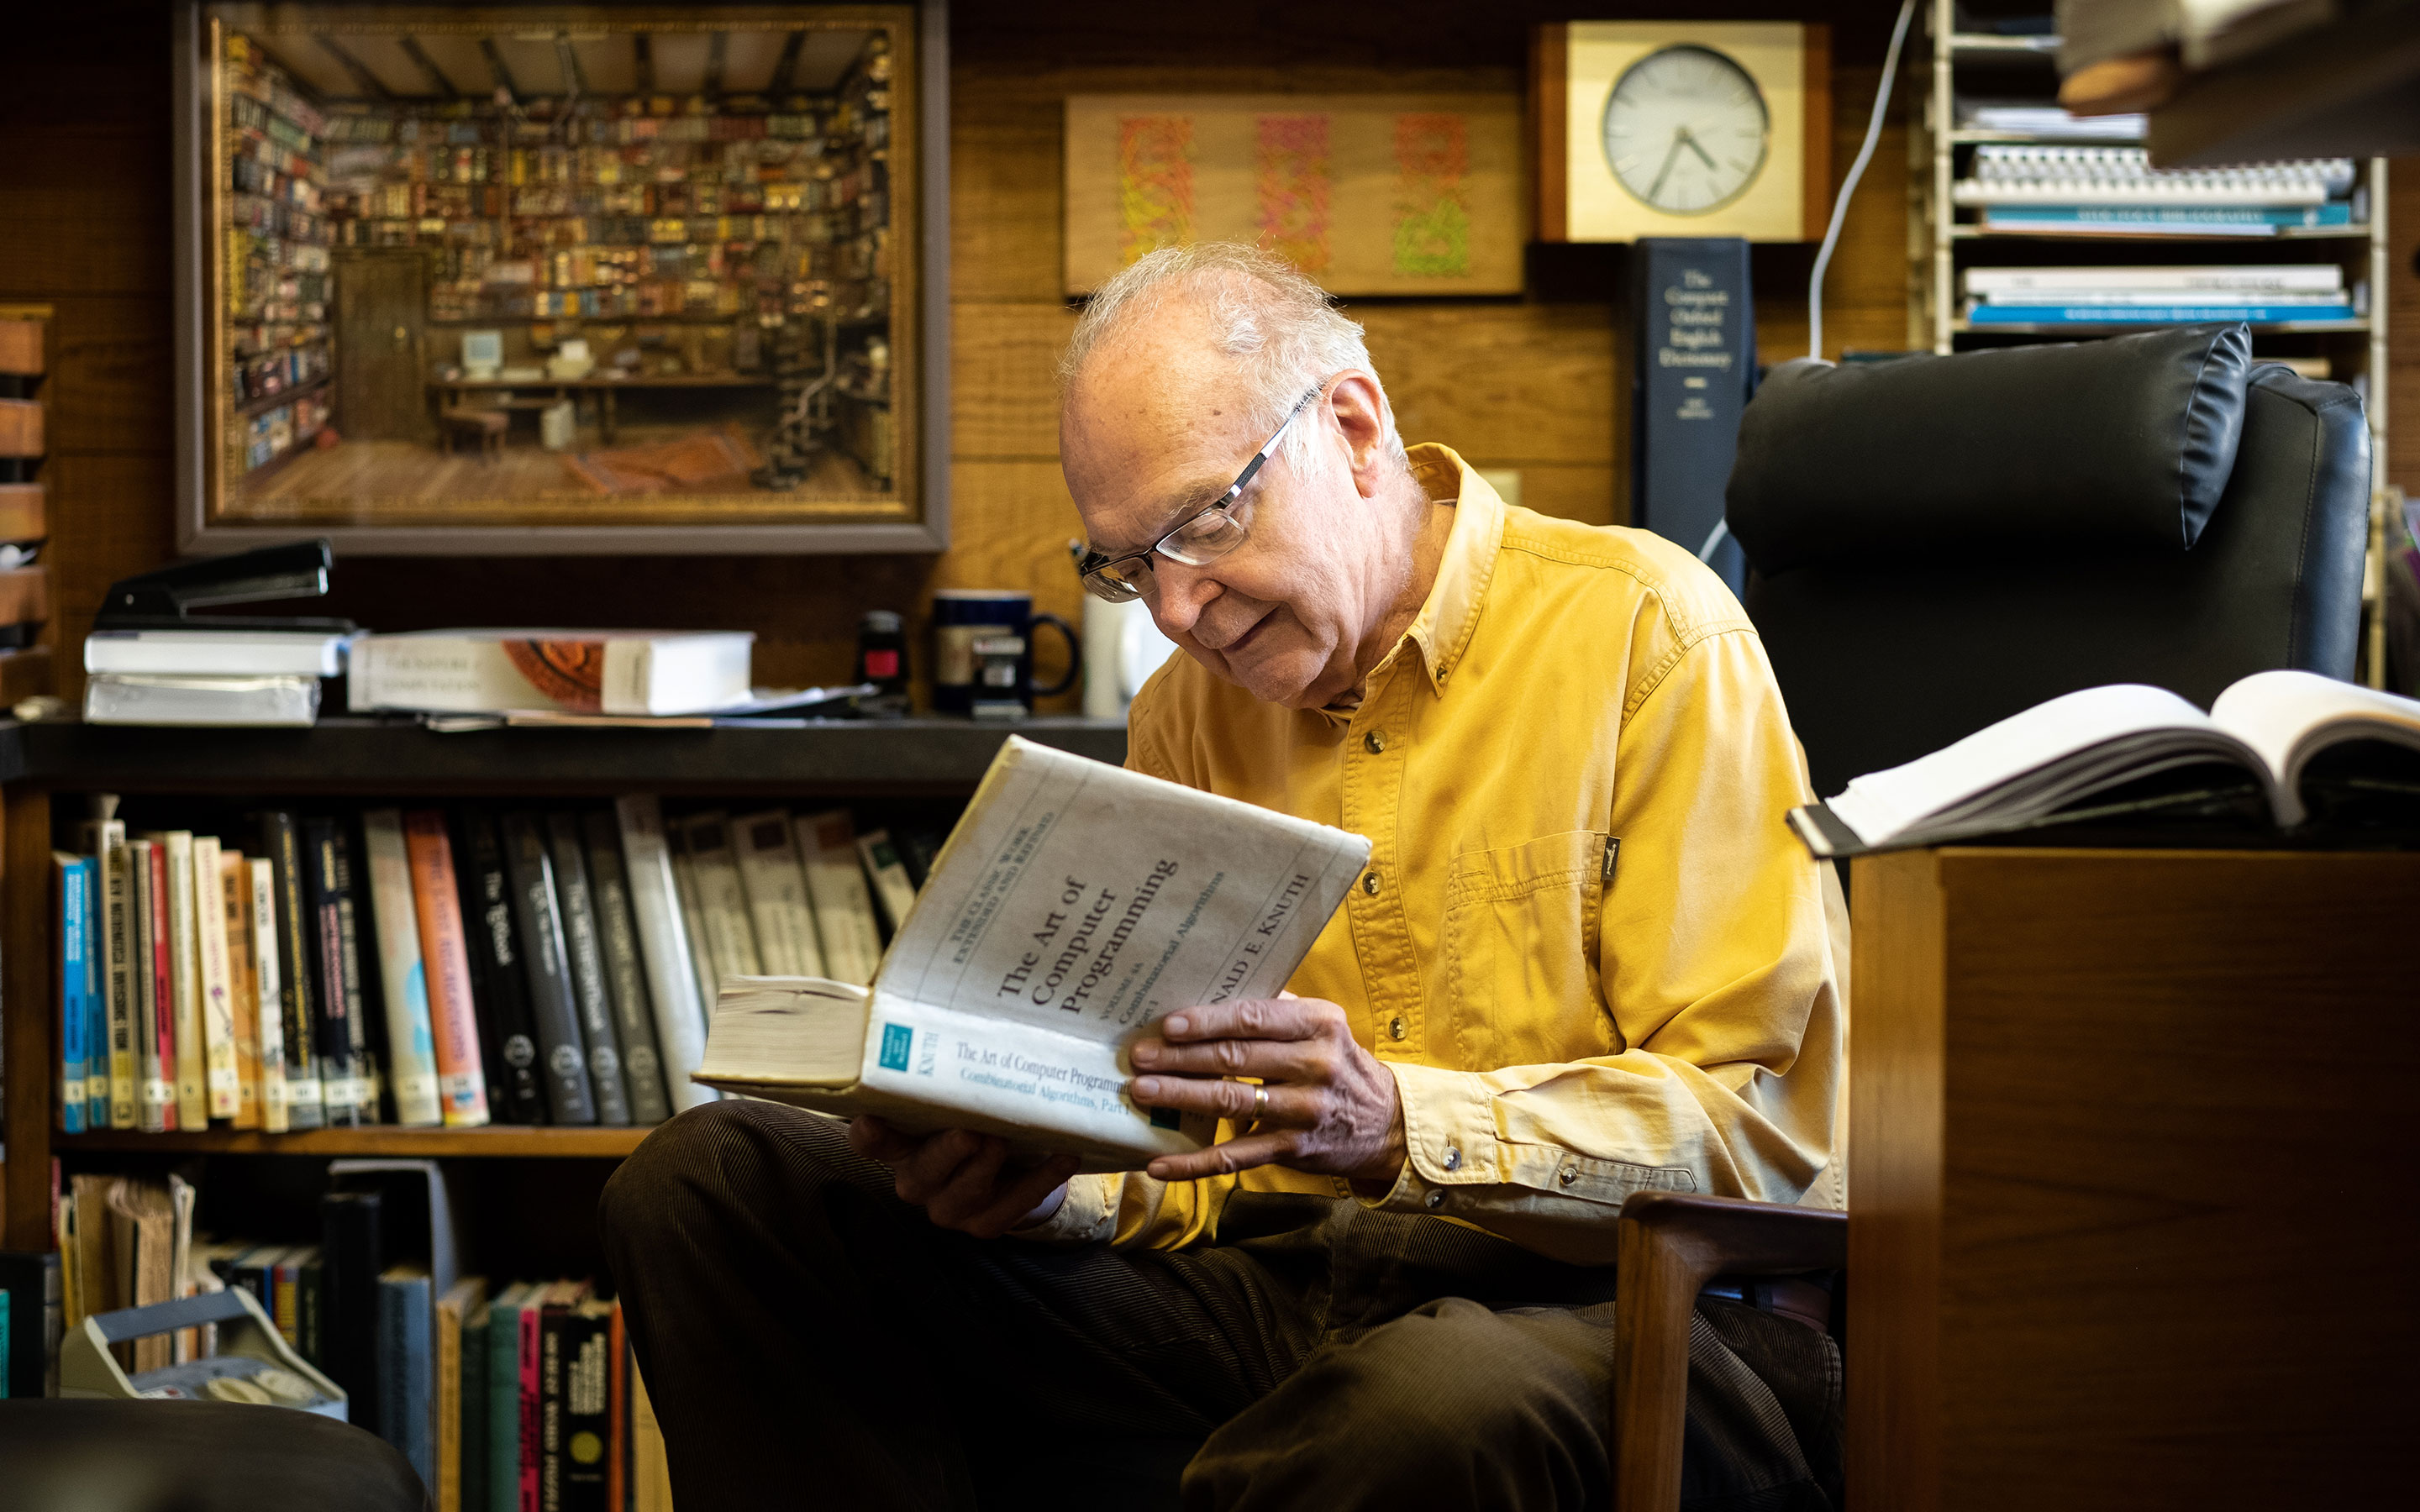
1449, 1138
1087, 1214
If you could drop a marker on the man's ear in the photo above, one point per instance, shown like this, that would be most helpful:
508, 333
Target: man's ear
1364, 416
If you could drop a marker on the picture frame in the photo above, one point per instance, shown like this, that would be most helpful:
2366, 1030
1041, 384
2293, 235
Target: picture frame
545, 279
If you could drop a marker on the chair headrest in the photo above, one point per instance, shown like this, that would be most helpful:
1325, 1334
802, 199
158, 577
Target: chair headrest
2123, 444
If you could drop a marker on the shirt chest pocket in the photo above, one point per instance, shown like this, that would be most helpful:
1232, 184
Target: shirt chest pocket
1520, 939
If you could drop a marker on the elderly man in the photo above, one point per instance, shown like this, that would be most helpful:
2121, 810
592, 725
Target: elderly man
1586, 959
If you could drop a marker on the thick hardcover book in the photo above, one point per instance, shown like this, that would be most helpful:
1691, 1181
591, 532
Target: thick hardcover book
579, 671
708, 970
410, 1039
626, 975
1046, 938
445, 959
154, 998
563, 1054
241, 944
592, 993
889, 877
343, 1037
579, 1359
176, 939
507, 1033
281, 842
472, 1455
852, 941
776, 890
1690, 378
222, 1083
351, 1256
406, 1366
103, 838
673, 977
2279, 752
504, 1397
71, 892
269, 992
723, 898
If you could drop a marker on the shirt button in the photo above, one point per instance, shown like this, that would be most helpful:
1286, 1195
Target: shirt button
1376, 740
1397, 1028
1568, 1174
1370, 882
1435, 1198
1453, 1159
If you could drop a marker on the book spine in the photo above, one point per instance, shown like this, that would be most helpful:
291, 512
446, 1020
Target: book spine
664, 948
114, 872
349, 1253
530, 1393
504, 1406
403, 1368
2337, 212
310, 1304
617, 1408
703, 966
539, 927
183, 958
269, 994
411, 1040
776, 890
888, 875
222, 1082
723, 898
588, 1422
617, 939
552, 1319
154, 1009
651, 1489
445, 958
843, 908
286, 1293
95, 1090
591, 994
471, 1414
343, 1035
244, 983
72, 874
298, 985
516, 1085
2151, 314
1693, 366
446, 1388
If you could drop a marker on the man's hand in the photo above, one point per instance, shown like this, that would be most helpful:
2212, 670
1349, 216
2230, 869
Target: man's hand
1332, 1107
963, 1180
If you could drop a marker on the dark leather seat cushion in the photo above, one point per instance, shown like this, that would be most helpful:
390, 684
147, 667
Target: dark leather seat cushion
2118, 445
88, 1456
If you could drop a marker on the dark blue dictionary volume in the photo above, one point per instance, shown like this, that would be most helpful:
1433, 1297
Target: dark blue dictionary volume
1695, 366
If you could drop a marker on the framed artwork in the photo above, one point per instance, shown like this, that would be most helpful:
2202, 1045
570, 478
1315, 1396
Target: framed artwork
524, 279
1367, 193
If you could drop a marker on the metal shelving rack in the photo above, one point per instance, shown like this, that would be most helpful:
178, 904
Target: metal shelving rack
1940, 245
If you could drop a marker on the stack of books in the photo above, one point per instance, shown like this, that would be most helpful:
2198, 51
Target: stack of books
208, 676
307, 969
2114, 189
2130, 296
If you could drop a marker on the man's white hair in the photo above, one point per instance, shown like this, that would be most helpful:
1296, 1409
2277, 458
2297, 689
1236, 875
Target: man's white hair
1278, 326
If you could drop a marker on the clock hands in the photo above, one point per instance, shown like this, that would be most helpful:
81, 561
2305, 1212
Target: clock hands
1657, 186
1690, 141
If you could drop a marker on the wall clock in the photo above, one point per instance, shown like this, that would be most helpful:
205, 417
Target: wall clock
1692, 128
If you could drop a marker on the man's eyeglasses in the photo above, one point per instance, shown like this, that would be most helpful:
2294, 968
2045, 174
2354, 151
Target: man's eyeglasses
1202, 538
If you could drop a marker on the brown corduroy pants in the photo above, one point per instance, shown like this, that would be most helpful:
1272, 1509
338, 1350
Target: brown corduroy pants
811, 1341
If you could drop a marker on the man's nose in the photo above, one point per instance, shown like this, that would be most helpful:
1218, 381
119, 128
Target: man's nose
1179, 595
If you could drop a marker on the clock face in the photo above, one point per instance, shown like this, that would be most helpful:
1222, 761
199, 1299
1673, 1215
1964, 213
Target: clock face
1686, 129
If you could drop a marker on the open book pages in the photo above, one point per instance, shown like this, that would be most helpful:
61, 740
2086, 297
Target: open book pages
2052, 761
1074, 904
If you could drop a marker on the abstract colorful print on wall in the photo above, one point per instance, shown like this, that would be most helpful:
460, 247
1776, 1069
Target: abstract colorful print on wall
1368, 193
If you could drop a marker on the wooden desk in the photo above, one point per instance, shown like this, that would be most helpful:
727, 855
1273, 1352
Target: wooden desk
2133, 1180
450, 391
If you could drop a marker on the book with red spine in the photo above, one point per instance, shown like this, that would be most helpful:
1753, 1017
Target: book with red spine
155, 1037
445, 957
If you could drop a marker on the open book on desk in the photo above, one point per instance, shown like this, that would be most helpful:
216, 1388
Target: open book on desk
2285, 750
1075, 904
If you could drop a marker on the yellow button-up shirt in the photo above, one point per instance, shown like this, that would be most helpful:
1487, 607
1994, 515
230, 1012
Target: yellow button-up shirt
1587, 945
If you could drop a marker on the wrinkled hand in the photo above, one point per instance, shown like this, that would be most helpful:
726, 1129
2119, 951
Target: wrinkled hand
963, 1180
1332, 1107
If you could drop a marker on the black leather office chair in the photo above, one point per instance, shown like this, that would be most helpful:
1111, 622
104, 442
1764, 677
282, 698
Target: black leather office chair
60, 1455
1940, 542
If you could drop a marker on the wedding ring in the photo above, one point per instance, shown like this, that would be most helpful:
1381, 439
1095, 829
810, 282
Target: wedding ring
1260, 1108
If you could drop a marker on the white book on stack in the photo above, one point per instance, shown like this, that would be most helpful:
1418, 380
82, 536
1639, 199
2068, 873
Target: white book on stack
142, 698
216, 652
2267, 283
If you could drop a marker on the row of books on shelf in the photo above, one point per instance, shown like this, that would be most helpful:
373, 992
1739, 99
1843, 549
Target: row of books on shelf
607, 120
474, 966
2100, 188
2132, 295
522, 1398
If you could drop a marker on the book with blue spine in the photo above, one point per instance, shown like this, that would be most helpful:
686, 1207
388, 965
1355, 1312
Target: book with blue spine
406, 1320
75, 896
1692, 374
2153, 315
2254, 218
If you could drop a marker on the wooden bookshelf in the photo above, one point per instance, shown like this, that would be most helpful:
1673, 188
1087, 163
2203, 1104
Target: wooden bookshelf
43, 765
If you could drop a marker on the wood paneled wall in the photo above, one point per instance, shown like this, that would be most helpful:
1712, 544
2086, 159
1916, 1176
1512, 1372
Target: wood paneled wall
1537, 383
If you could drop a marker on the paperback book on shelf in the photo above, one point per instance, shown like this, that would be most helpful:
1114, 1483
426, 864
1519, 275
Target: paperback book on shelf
574, 671
1075, 904
2278, 750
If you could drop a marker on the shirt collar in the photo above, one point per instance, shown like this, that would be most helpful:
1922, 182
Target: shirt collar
1442, 629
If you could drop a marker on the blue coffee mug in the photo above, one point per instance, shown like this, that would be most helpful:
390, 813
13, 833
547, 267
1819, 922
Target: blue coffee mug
963, 615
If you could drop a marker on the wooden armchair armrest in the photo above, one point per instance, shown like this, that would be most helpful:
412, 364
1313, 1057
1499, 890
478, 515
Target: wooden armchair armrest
1672, 1245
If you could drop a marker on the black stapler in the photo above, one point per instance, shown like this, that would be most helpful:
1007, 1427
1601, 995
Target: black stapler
159, 600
